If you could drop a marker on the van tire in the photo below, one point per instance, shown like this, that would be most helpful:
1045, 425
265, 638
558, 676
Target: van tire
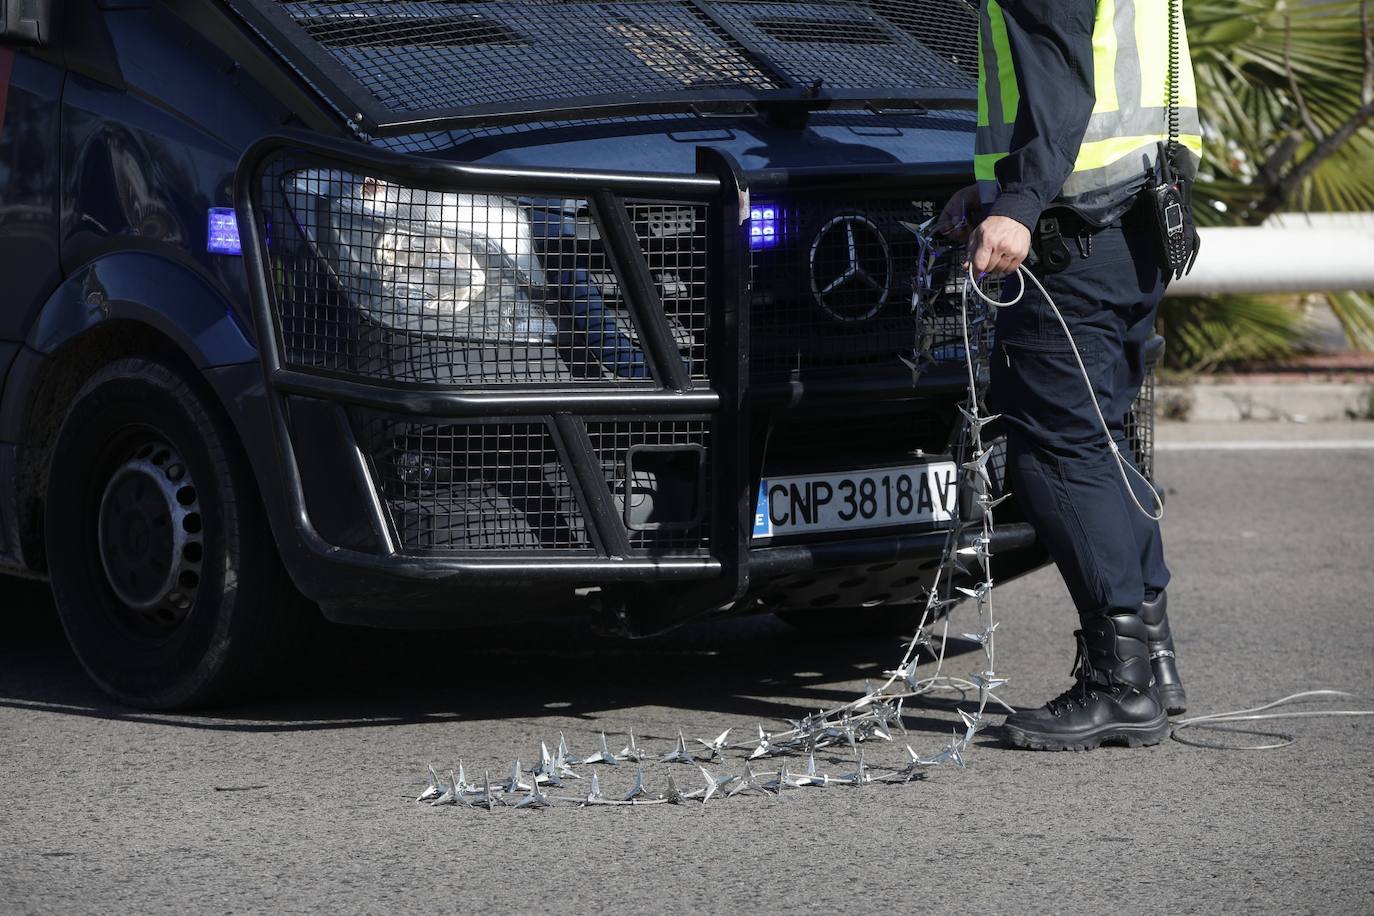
163, 568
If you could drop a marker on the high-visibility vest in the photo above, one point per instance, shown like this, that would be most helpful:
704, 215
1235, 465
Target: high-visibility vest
1131, 81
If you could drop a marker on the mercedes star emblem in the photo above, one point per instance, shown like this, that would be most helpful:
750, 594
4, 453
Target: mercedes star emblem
851, 268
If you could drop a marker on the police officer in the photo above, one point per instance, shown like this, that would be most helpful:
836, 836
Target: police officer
1072, 109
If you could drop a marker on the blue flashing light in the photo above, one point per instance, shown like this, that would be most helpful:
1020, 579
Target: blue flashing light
222, 236
763, 226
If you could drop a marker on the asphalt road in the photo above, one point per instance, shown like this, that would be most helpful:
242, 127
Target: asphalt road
302, 804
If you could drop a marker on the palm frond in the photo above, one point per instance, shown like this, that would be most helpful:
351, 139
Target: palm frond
1242, 52
1355, 312
1205, 334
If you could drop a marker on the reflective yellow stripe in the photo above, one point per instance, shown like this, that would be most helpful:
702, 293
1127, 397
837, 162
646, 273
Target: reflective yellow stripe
1103, 153
1152, 38
1104, 57
1187, 88
1006, 70
1130, 73
985, 165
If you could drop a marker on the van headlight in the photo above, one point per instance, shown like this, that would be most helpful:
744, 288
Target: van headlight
435, 263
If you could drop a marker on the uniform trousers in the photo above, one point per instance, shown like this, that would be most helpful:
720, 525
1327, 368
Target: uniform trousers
1059, 466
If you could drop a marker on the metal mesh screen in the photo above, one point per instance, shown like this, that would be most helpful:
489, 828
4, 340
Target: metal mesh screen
832, 285
429, 55
426, 55
612, 442
472, 486
1140, 427
375, 279
860, 45
673, 240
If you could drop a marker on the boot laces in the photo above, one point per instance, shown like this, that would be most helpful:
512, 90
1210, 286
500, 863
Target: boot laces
1084, 689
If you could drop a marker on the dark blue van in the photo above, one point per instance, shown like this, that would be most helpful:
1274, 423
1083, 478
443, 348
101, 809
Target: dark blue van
439, 313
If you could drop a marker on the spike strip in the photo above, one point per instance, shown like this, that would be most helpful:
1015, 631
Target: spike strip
868, 716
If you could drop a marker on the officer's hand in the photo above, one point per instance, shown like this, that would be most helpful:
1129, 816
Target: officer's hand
959, 215
998, 245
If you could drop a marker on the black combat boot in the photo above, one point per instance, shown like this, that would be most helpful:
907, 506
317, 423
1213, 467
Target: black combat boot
1112, 700
1168, 685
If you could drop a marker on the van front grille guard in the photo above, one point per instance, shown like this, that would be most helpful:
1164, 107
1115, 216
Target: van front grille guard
499, 437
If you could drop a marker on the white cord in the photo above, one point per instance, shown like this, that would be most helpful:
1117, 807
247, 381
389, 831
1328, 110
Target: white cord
1258, 714
1123, 466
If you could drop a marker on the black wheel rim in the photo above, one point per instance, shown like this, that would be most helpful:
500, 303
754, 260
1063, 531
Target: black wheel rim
150, 535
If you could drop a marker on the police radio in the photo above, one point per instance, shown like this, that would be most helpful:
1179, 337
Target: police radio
1171, 199
1171, 194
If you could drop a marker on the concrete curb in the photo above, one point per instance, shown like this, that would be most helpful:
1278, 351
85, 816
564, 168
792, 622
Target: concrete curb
1300, 402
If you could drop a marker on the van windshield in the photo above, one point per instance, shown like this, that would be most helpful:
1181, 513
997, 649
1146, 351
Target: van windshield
397, 65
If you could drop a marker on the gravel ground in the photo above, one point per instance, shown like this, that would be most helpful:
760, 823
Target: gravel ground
303, 803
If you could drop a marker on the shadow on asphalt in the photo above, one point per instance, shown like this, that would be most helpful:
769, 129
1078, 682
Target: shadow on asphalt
754, 667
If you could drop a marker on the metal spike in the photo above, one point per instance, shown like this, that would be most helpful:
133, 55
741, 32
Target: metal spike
765, 747
714, 748
984, 636
986, 680
712, 784
973, 420
780, 782
860, 776
535, 799
906, 674
749, 782
632, 751
451, 794
973, 724
604, 755
988, 503
547, 771
434, 789
915, 767
811, 777
951, 754
463, 785
637, 790
488, 795
514, 784
560, 769
678, 754
979, 466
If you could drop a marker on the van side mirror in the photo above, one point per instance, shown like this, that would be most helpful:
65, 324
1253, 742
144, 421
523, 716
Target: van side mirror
25, 22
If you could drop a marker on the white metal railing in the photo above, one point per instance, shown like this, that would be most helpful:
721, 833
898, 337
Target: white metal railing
1291, 253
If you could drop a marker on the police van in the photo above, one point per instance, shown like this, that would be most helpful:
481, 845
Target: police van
441, 313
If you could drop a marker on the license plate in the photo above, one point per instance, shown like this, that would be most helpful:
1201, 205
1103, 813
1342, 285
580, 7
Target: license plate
853, 500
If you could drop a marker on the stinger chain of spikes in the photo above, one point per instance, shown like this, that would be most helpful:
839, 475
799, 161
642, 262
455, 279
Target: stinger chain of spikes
872, 715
